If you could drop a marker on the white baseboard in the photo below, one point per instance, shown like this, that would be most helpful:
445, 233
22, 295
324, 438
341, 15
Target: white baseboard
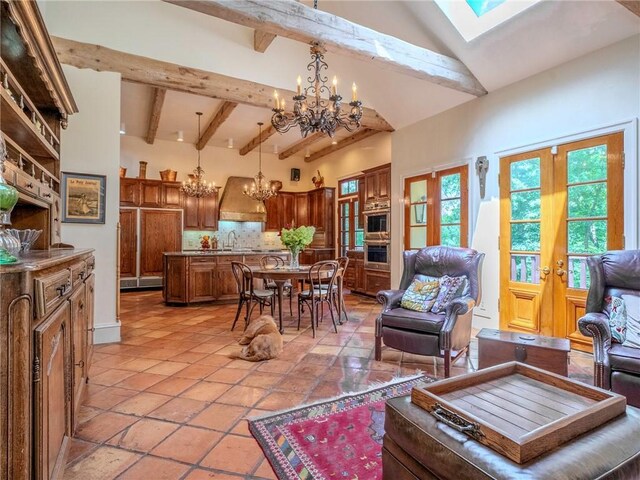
106, 333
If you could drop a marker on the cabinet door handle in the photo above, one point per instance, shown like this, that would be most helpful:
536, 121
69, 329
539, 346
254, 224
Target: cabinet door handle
81, 305
80, 364
81, 275
92, 329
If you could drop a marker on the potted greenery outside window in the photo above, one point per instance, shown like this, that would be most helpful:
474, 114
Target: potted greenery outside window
296, 240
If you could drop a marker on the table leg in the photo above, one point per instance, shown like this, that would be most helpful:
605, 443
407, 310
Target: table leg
280, 286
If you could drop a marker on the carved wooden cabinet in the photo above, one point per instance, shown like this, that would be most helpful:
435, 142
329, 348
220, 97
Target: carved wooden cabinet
159, 232
128, 241
46, 340
129, 192
200, 213
354, 276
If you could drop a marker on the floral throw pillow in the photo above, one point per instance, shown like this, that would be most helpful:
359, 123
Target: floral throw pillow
632, 306
617, 312
450, 288
420, 295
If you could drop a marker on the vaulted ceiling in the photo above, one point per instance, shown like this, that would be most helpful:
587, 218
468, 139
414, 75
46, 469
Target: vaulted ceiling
546, 35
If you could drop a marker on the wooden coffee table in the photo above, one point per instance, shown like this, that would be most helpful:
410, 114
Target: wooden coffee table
499, 346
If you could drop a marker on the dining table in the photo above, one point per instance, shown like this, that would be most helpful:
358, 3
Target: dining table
280, 276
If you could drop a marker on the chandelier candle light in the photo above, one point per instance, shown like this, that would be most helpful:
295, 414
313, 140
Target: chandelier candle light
197, 186
311, 112
261, 189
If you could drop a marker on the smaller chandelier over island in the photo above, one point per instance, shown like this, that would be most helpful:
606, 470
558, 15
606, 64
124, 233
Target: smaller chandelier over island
261, 189
313, 113
196, 186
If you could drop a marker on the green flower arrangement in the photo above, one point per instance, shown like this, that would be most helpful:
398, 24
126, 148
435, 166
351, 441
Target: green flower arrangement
296, 239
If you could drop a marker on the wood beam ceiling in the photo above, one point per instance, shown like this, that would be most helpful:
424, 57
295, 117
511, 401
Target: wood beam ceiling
139, 69
301, 145
255, 141
218, 119
262, 40
154, 116
356, 137
297, 21
632, 5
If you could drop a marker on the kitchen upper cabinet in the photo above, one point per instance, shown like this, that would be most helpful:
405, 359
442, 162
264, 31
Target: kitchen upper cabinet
377, 183
159, 232
129, 192
171, 195
321, 216
52, 426
200, 213
150, 193
281, 211
301, 208
128, 241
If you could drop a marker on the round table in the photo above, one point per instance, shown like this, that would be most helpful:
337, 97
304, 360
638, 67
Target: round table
279, 276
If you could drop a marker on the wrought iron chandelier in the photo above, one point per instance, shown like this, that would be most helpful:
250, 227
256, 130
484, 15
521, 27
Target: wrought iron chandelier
311, 112
261, 189
197, 186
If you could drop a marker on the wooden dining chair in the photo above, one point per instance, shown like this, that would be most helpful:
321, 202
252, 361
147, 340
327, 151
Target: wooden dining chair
321, 281
338, 289
248, 295
274, 261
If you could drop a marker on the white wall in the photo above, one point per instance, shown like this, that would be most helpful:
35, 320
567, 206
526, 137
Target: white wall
91, 144
599, 89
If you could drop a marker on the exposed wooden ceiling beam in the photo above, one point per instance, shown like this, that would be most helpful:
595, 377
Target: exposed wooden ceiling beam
266, 133
218, 119
154, 116
632, 5
356, 137
262, 40
301, 145
138, 69
288, 18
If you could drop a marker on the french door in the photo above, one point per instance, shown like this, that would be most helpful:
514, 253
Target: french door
556, 210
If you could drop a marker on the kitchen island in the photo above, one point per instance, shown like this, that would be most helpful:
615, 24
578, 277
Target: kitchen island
206, 276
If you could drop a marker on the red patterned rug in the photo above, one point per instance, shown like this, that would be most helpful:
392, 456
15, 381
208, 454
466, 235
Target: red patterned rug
339, 438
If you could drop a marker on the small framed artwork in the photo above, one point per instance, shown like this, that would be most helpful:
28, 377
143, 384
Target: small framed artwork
83, 197
295, 174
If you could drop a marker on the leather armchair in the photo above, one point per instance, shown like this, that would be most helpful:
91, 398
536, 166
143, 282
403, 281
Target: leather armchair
425, 333
616, 367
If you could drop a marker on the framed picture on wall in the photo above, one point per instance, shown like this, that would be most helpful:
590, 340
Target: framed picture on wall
83, 197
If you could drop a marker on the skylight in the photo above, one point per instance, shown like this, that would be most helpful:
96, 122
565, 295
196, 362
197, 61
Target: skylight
480, 7
473, 18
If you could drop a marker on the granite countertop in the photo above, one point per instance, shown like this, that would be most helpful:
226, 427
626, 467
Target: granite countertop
41, 259
200, 253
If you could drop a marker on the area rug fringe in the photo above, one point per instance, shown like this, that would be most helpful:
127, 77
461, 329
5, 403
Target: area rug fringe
372, 386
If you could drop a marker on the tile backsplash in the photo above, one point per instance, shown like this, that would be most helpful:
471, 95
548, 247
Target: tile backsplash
249, 234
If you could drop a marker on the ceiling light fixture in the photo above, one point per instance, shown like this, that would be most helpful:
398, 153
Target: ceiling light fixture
180, 136
311, 112
230, 143
122, 129
197, 186
261, 189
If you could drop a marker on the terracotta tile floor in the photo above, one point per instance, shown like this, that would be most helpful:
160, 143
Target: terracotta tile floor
167, 402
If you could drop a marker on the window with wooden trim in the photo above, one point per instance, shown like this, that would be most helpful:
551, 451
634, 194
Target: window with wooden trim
436, 209
350, 228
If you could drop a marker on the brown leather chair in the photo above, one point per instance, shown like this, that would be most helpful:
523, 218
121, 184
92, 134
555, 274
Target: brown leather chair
425, 333
616, 367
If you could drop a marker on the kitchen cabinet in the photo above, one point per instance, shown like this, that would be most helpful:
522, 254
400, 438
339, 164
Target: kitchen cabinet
202, 279
281, 212
171, 195
175, 279
321, 216
354, 276
301, 208
377, 183
201, 213
375, 280
128, 241
227, 289
129, 192
151, 193
159, 232
90, 284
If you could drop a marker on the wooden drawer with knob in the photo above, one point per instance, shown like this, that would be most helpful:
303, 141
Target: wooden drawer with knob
50, 291
78, 273
27, 184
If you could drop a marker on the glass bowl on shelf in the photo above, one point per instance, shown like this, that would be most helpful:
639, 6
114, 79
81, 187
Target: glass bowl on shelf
26, 237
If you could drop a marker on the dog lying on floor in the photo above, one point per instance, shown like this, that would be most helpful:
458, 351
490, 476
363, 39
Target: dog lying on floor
262, 339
